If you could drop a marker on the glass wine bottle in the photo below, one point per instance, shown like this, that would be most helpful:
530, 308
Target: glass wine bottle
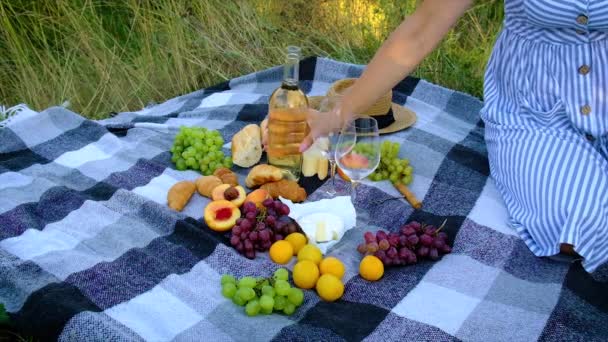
287, 125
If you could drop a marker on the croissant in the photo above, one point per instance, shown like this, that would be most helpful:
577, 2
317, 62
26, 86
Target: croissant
180, 194
263, 173
206, 184
227, 176
286, 189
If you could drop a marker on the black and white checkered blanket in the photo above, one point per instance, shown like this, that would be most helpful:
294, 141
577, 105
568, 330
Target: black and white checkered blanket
90, 251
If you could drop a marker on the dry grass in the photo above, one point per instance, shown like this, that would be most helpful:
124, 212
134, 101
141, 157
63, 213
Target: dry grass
102, 56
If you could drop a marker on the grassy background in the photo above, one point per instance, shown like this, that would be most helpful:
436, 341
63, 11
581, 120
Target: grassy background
104, 56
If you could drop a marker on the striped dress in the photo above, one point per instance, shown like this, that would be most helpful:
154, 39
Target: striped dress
546, 116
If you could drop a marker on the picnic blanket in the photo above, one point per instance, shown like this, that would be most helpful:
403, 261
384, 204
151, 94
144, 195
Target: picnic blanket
90, 251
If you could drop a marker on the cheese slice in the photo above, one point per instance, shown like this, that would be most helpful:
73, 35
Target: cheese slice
322, 227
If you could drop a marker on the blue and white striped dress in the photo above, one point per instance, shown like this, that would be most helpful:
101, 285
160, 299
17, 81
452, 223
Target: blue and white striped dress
546, 116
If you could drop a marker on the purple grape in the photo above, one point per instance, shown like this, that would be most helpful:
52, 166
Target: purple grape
249, 207
234, 240
415, 224
426, 240
403, 241
412, 258
372, 247
250, 215
285, 209
268, 203
430, 230
240, 247
277, 204
260, 226
369, 237
433, 254
278, 237
392, 252
381, 235
383, 244
244, 236
264, 235
250, 254
253, 236
387, 261
362, 248
446, 249
404, 252
238, 221
393, 239
291, 229
407, 230
380, 254
248, 245
236, 230
267, 245
423, 251
271, 220
413, 240
438, 243
442, 236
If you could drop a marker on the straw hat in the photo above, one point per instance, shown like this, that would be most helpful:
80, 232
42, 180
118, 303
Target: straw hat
391, 117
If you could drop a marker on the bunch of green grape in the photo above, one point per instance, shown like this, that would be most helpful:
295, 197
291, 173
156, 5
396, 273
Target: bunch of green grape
198, 148
398, 171
263, 295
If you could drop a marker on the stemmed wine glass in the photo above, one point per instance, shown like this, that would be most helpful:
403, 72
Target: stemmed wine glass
329, 150
358, 150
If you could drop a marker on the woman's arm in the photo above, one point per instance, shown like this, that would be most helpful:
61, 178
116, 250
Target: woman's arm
405, 48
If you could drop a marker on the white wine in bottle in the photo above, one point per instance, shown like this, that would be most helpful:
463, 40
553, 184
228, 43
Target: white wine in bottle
287, 125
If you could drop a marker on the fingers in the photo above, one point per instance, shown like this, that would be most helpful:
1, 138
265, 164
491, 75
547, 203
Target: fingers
308, 140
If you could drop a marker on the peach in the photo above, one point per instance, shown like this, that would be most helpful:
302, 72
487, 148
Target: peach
355, 161
257, 197
234, 194
221, 215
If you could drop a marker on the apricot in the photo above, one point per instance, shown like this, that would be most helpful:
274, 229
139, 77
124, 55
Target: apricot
257, 197
234, 194
221, 215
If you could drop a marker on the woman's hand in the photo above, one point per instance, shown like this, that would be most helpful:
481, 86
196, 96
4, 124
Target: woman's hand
321, 124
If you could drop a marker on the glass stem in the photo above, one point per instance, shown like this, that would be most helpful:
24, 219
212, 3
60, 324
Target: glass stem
332, 170
354, 185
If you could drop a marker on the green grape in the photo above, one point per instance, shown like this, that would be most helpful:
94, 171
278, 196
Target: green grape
218, 141
279, 303
209, 142
265, 311
393, 177
174, 159
399, 168
407, 180
384, 174
247, 282
198, 145
228, 164
405, 162
212, 166
179, 149
191, 162
266, 302
204, 149
227, 278
181, 164
228, 290
289, 309
252, 308
268, 290
408, 170
281, 274
396, 163
281, 287
206, 160
295, 296
247, 293
391, 168
238, 300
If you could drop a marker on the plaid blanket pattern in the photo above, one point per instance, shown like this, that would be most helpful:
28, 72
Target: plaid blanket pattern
89, 250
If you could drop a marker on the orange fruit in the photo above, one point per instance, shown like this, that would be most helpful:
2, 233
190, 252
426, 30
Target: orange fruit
329, 287
281, 252
305, 274
310, 252
331, 265
371, 268
297, 241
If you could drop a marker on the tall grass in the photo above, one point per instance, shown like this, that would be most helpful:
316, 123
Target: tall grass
104, 56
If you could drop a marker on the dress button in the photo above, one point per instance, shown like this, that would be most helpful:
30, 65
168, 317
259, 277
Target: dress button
586, 110
582, 19
583, 69
590, 137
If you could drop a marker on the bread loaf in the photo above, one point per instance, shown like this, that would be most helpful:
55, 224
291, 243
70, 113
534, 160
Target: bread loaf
247, 146
262, 174
286, 189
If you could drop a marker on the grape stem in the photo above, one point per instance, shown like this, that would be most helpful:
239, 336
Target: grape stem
441, 227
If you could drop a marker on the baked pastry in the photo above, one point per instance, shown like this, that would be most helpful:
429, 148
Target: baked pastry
179, 194
262, 174
227, 176
206, 184
286, 189
247, 146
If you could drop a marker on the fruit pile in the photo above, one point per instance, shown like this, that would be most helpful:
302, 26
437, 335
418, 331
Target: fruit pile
263, 295
398, 171
260, 226
200, 149
413, 242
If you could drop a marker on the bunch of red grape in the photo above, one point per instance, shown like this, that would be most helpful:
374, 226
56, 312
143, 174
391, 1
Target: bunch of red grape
413, 242
258, 228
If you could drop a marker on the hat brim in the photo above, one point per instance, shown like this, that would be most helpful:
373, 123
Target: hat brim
404, 117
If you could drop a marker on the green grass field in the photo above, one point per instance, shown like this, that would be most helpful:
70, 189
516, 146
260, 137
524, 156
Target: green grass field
103, 56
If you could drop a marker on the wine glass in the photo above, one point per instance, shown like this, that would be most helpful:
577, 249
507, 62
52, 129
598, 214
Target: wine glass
329, 151
358, 150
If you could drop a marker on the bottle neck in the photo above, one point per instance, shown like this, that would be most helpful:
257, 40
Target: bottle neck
291, 71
